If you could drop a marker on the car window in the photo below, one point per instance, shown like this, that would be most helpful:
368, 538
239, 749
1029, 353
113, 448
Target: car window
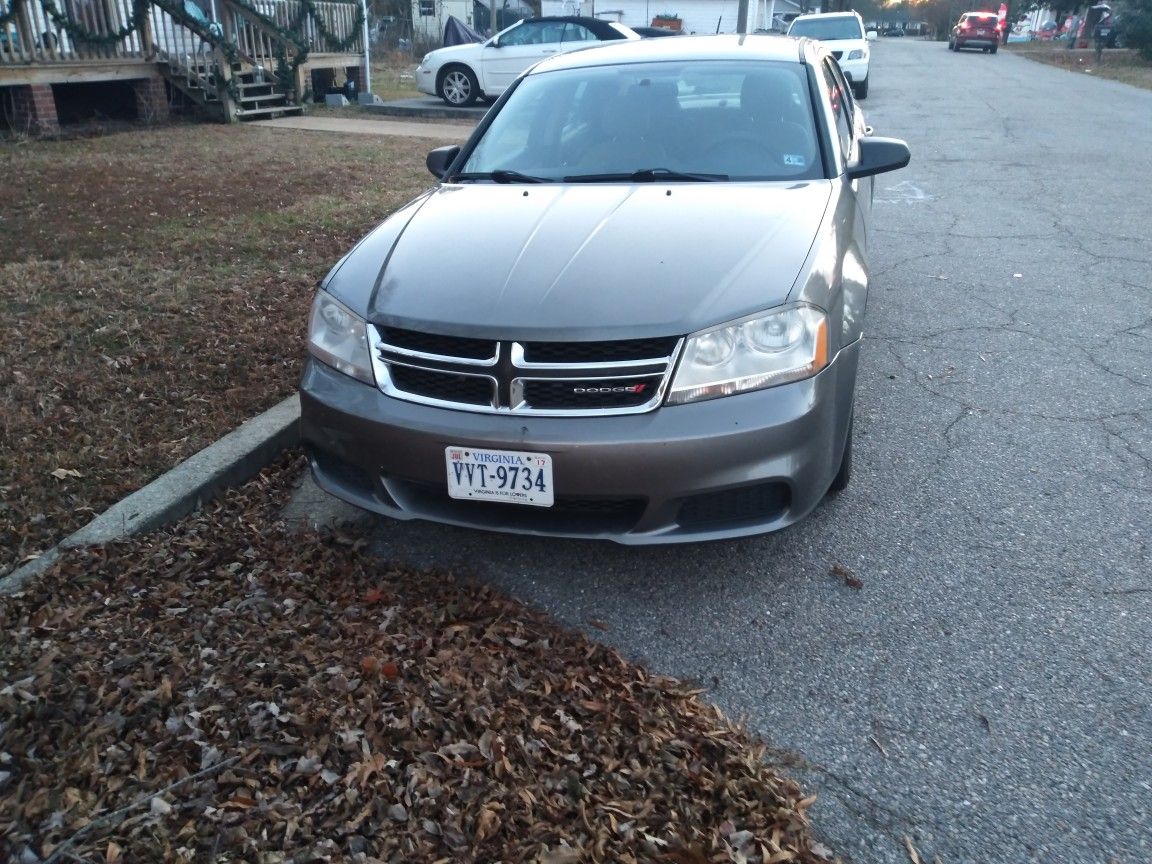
577, 33
841, 101
734, 119
553, 32
528, 33
827, 28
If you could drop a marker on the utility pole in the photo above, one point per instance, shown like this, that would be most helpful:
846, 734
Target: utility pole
366, 84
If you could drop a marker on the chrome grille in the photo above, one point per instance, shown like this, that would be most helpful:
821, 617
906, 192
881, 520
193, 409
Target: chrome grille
620, 350
622, 376
444, 387
435, 345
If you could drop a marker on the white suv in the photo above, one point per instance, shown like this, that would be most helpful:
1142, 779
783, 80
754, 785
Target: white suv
843, 33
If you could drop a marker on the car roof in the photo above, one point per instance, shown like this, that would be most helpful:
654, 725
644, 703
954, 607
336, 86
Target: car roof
599, 26
724, 47
575, 19
807, 15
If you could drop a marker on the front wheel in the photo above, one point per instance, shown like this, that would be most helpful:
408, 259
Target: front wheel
861, 88
459, 86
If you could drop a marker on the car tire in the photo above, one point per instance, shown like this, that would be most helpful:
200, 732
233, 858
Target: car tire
458, 86
959, 44
860, 89
993, 49
951, 45
844, 474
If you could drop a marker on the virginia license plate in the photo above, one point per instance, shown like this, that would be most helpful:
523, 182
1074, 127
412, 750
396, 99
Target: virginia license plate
510, 476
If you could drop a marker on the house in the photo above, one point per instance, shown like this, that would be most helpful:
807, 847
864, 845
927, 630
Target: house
227, 59
430, 16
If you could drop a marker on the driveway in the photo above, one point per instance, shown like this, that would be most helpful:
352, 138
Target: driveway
955, 654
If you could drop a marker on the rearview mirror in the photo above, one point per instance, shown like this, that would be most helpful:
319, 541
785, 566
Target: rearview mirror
439, 159
878, 155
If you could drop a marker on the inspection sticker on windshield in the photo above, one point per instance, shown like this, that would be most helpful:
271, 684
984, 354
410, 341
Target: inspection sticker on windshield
499, 475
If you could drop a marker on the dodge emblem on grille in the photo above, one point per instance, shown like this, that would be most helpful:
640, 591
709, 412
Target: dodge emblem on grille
627, 388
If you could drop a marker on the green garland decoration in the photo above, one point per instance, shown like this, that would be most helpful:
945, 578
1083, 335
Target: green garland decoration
82, 34
285, 70
340, 44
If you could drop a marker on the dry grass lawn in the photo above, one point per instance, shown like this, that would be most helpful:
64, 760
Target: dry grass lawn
1117, 64
155, 286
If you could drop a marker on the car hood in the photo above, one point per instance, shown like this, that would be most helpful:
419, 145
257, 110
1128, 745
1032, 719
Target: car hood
440, 56
844, 45
596, 261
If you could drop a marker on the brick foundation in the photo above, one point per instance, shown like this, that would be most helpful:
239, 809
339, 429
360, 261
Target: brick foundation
151, 100
34, 110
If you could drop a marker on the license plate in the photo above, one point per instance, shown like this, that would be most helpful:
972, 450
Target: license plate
510, 476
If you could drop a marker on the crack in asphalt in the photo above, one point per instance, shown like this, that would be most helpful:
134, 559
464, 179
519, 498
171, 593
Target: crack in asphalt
850, 793
917, 379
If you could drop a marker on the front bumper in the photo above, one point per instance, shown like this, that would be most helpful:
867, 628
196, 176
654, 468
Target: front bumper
711, 470
426, 80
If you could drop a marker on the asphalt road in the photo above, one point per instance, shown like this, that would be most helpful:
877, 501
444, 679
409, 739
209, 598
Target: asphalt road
986, 693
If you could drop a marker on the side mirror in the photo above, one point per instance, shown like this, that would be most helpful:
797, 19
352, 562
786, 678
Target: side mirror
871, 35
439, 159
878, 155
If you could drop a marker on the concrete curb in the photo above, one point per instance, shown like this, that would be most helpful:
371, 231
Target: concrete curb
232, 460
430, 108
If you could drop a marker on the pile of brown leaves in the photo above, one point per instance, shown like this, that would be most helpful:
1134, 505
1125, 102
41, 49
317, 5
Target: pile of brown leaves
227, 690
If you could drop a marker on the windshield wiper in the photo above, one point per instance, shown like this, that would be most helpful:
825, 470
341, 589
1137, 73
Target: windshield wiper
502, 175
646, 175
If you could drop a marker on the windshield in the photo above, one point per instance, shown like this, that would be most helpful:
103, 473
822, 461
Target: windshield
826, 28
694, 121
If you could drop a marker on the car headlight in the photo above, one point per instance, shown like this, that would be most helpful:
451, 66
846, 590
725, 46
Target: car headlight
855, 53
778, 347
424, 61
339, 337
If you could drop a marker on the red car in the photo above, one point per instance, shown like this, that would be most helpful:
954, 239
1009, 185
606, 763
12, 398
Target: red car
976, 30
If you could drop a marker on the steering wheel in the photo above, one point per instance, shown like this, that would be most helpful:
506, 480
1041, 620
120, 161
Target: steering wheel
742, 151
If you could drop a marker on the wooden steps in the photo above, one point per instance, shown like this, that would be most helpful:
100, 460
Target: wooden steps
260, 97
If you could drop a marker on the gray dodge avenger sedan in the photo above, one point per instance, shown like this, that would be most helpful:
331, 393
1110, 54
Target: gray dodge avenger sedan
631, 309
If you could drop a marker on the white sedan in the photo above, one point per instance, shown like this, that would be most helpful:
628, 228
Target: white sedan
461, 74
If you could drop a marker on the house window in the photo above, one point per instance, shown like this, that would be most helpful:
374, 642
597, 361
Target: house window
427, 8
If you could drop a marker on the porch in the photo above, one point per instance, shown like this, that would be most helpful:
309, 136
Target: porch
228, 59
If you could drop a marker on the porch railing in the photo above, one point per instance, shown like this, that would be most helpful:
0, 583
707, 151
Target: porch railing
31, 34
